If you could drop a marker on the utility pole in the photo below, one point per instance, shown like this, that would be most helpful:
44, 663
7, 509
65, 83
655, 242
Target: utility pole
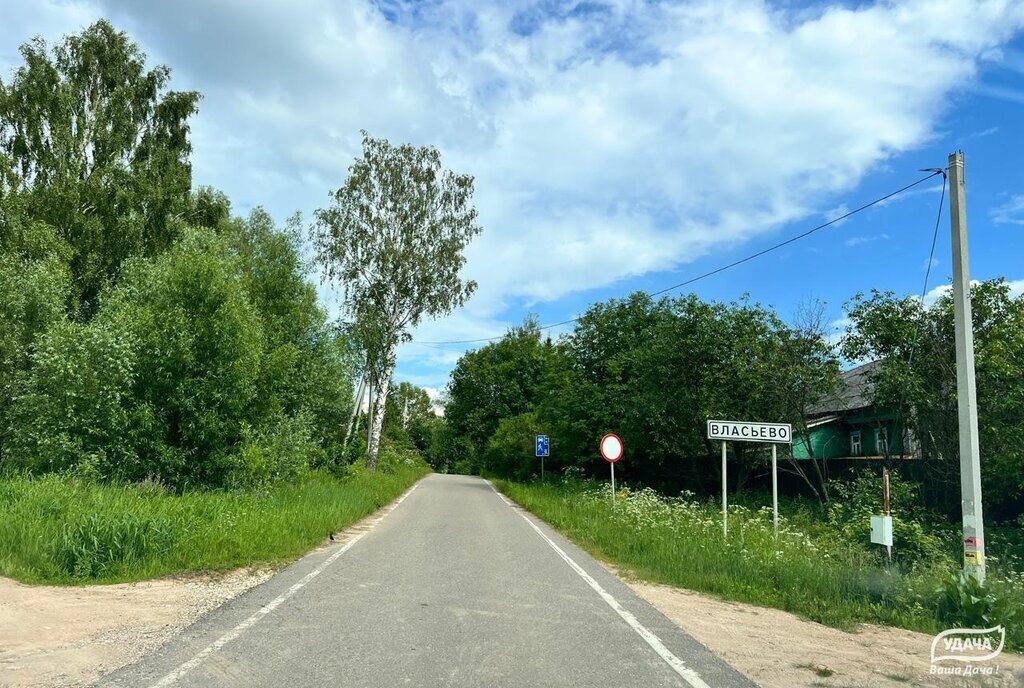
967, 398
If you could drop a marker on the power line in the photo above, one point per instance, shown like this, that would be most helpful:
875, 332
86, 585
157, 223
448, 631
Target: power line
731, 265
902, 408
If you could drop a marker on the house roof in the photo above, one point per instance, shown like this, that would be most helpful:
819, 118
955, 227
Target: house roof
853, 392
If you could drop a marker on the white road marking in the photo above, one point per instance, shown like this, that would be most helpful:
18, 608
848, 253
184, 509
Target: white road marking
191, 664
687, 674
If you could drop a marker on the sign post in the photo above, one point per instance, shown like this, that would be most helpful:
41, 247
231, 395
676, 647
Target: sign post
543, 449
611, 450
749, 431
725, 498
775, 491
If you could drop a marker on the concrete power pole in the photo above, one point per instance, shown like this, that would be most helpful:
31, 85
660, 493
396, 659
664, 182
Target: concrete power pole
967, 398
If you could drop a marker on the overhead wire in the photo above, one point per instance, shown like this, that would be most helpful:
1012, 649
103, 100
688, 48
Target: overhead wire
710, 273
901, 411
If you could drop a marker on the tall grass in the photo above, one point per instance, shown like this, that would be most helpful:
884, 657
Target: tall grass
813, 571
59, 529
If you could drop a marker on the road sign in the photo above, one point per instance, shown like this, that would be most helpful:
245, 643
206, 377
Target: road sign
543, 446
611, 448
750, 431
747, 431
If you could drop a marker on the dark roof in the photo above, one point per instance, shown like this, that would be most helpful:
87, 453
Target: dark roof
853, 392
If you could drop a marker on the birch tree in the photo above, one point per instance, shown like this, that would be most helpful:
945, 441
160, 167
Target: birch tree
393, 239
98, 148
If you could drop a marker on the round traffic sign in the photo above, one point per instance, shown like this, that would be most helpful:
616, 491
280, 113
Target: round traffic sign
611, 447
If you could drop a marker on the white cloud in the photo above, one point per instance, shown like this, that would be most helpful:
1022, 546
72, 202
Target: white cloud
605, 144
859, 240
1009, 213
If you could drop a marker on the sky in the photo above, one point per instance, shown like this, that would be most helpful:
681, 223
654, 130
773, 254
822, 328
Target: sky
616, 146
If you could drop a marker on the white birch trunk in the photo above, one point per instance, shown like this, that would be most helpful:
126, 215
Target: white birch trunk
379, 404
355, 410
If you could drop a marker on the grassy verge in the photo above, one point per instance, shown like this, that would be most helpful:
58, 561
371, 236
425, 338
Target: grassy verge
57, 529
820, 576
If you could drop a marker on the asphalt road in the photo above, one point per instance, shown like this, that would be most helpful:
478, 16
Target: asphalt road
452, 587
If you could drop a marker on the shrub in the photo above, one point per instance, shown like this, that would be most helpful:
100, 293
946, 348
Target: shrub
915, 534
279, 452
73, 408
510, 450
199, 350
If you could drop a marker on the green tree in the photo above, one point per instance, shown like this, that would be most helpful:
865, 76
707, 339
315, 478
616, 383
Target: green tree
408, 415
499, 380
394, 239
917, 378
99, 149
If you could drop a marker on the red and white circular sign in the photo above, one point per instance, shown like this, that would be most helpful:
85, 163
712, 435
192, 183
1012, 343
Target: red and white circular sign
611, 447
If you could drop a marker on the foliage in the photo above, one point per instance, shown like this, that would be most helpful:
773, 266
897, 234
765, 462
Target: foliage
394, 238
918, 379
199, 350
652, 371
34, 296
62, 529
450, 452
72, 409
99, 150
511, 449
146, 332
409, 415
915, 535
496, 381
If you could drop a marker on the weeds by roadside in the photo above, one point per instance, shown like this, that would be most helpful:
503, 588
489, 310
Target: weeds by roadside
62, 529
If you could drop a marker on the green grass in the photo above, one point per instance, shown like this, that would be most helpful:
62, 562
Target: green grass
58, 529
811, 571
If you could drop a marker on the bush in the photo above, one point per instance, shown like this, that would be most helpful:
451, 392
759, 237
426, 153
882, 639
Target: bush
450, 453
510, 451
73, 408
280, 452
916, 535
35, 294
199, 350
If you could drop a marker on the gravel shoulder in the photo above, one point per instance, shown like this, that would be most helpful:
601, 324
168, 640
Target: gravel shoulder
70, 636
778, 649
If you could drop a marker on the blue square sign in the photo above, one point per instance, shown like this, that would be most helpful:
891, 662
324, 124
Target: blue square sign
542, 445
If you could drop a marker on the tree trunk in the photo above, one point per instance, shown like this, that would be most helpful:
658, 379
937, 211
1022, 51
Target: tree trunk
379, 404
355, 410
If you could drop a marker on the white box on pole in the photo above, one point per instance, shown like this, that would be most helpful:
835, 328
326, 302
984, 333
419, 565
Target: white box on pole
881, 530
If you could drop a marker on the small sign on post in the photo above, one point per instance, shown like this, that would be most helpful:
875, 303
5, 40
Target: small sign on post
611, 450
751, 431
543, 449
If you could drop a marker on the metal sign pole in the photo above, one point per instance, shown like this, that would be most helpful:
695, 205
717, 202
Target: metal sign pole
885, 498
725, 508
613, 483
775, 491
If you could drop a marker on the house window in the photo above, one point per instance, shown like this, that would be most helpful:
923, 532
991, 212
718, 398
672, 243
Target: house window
882, 441
855, 445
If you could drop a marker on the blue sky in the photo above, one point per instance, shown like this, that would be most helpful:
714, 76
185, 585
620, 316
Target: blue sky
617, 145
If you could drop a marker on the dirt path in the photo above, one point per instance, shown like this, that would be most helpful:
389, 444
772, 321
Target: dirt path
779, 650
70, 636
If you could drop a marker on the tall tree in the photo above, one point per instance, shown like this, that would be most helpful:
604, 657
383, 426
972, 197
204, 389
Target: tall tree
394, 238
99, 148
